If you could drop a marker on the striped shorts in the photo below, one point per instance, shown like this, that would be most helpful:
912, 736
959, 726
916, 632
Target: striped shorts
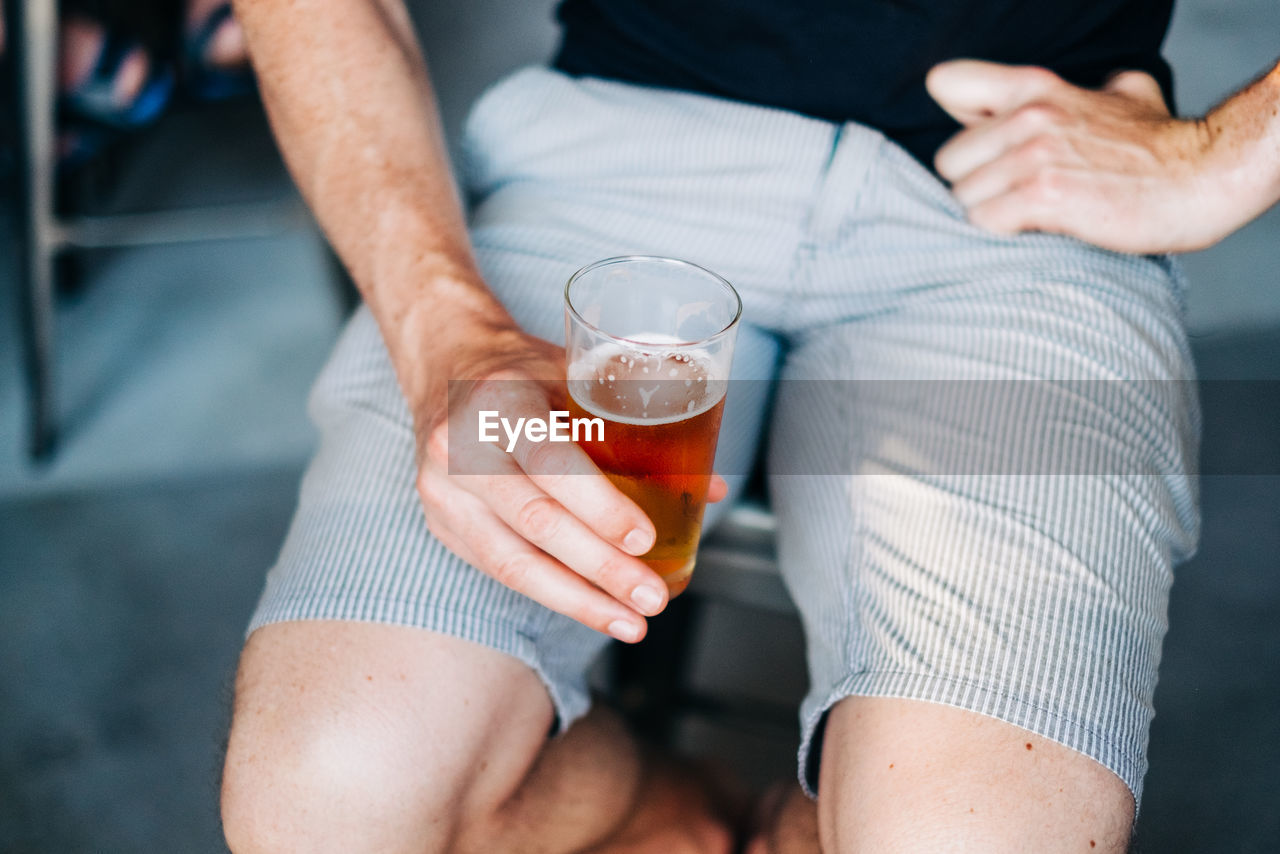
932, 552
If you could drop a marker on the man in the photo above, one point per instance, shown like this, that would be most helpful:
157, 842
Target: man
983, 633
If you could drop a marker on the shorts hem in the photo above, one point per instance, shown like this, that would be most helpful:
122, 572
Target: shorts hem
974, 697
569, 702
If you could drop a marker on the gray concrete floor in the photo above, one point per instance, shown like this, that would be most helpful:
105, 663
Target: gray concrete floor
129, 566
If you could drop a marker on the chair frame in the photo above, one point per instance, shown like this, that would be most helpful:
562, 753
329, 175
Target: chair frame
43, 236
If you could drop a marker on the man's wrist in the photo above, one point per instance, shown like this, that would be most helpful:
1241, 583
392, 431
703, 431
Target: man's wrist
430, 338
1240, 163
1270, 140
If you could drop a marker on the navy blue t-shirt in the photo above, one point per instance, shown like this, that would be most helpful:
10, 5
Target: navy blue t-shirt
859, 60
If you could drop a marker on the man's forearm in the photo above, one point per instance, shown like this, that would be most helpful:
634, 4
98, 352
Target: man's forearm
1244, 140
353, 111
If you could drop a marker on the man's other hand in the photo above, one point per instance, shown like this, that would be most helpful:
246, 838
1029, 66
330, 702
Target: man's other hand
1109, 166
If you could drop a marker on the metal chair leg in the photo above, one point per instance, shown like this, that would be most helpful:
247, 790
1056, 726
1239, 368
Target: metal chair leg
33, 40
649, 678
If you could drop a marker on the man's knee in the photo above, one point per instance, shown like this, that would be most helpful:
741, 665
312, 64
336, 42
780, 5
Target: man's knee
370, 740
313, 790
904, 775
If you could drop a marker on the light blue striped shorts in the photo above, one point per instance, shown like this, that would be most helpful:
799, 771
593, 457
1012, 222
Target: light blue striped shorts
1036, 597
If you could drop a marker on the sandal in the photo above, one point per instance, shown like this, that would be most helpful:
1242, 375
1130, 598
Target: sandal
94, 100
91, 113
208, 81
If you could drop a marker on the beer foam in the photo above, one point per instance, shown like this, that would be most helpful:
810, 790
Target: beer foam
593, 408
584, 368
645, 374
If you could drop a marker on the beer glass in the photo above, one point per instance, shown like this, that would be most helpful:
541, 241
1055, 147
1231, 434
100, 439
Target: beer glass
649, 342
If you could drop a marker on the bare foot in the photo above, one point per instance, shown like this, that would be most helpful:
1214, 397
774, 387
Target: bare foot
787, 823
682, 810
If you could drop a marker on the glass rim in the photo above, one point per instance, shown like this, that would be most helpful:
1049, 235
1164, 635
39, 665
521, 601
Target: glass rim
662, 259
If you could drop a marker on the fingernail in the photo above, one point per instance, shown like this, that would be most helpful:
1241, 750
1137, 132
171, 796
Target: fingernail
647, 599
637, 542
624, 631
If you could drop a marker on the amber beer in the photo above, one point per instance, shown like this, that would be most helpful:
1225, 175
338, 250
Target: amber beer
661, 415
649, 342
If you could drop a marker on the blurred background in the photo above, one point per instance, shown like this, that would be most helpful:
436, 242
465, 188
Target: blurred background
132, 554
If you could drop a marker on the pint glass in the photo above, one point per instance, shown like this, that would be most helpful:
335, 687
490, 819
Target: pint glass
649, 342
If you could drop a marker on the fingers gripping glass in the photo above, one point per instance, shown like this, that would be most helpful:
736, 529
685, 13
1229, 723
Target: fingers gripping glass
649, 346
